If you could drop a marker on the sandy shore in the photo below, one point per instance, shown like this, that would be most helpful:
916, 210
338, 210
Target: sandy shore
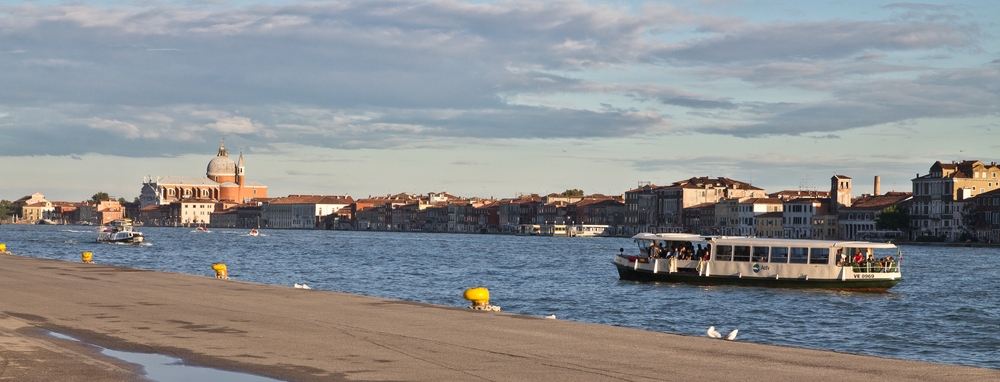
309, 335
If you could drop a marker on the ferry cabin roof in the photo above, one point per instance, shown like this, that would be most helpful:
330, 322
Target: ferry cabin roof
644, 238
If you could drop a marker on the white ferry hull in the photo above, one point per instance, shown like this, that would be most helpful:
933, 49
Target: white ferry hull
689, 272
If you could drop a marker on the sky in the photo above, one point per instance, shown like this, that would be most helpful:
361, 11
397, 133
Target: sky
492, 98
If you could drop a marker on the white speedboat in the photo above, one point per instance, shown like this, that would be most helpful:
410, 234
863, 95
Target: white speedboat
253, 232
796, 263
120, 232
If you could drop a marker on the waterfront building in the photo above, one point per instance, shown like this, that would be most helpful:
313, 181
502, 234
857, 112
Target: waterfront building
36, 209
598, 210
33, 212
736, 216
641, 208
191, 212
700, 219
939, 196
689, 192
768, 224
983, 216
224, 180
798, 217
301, 211
857, 222
109, 211
652, 208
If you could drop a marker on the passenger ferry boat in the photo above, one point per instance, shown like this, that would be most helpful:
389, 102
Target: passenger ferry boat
120, 232
766, 262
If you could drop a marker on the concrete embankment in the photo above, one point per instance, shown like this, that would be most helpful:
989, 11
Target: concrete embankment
310, 335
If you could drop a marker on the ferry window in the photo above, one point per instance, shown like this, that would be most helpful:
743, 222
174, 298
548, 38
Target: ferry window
741, 253
819, 256
799, 255
760, 254
779, 255
724, 253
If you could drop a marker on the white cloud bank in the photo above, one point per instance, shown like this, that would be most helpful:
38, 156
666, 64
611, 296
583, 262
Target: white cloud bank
383, 74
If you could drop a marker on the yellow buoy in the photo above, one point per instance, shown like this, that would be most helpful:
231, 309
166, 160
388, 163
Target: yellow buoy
480, 298
3, 247
87, 257
220, 271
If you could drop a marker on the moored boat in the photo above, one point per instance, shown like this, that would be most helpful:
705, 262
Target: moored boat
766, 262
120, 232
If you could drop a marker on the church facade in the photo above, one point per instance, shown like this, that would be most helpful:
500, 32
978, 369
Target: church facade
224, 181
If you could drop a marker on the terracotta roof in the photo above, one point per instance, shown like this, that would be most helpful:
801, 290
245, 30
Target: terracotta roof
762, 201
313, 199
604, 200
705, 181
702, 205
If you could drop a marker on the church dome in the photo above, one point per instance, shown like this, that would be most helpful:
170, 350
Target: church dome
221, 165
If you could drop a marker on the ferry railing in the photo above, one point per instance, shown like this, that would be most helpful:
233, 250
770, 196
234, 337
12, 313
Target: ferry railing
875, 267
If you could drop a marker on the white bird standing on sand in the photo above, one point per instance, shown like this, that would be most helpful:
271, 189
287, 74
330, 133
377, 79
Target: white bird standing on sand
551, 316
301, 286
732, 335
711, 331
714, 334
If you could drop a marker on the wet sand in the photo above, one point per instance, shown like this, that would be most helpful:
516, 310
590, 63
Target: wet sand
309, 335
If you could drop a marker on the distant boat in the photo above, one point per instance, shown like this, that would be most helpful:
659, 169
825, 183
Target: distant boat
120, 232
253, 232
202, 229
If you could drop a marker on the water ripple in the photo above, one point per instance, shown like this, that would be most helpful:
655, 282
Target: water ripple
946, 309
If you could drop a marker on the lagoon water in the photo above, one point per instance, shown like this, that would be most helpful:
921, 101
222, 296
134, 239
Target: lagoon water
946, 309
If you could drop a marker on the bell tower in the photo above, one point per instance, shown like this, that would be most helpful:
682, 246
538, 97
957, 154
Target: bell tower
840, 192
239, 170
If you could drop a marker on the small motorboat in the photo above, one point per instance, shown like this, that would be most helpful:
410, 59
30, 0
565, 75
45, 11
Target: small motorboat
253, 232
120, 232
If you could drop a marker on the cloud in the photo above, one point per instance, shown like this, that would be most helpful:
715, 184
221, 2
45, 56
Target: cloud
235, 125
819, 40
167, 80
947, 94
128, 130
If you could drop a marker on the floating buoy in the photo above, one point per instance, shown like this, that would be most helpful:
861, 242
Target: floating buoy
87, 257
3, 249
480, 298
220, 271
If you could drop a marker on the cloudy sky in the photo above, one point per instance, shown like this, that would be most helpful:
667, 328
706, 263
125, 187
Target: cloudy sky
489, 98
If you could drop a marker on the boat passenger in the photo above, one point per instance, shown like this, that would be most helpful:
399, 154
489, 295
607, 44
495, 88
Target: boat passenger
654, 251
858, 258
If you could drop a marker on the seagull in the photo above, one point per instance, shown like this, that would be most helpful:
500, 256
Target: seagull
711, 332
301, 286
714, 334
732, 335
551, 316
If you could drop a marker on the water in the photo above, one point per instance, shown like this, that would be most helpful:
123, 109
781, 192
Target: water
162, 368
946, 309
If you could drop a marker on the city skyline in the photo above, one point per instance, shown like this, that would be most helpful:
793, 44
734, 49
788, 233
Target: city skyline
491, 99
